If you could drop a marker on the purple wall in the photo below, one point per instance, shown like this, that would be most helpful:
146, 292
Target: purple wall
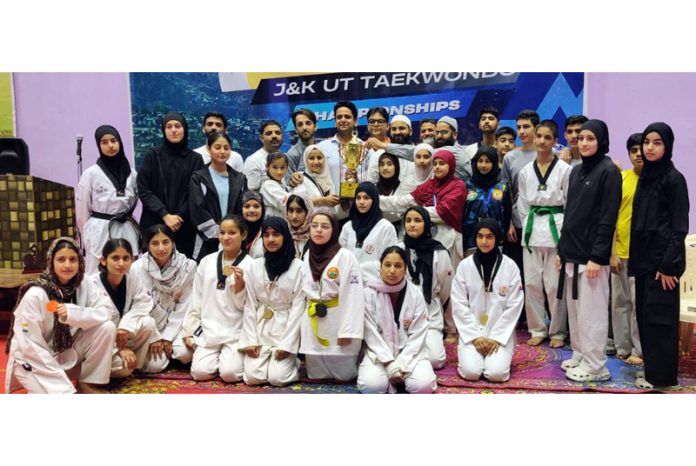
629, 102
51, 108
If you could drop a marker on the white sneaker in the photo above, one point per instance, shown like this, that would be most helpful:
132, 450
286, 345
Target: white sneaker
644, 384
569, 364
579, 375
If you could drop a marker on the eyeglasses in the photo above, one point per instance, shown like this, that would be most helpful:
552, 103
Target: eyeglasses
323, 226
376, 122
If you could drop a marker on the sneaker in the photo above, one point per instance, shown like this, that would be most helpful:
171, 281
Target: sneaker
643, 384
570, 364
578, 375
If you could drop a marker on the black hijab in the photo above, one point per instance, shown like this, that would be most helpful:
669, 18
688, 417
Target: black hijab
387, 186
424, 246
492, 177
321, 254
116, 168
601, 132
277, 263
181, 147
364, 223
488, 260
654, 170
254, 227
646, 200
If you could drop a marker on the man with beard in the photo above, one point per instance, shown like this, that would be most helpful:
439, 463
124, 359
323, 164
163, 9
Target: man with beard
214, 121
426, 131
571, 154
271, 136
305, 122
446, 138
400, 146
489, 118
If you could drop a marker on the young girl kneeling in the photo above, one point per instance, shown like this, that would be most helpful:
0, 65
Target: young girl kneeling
61, 323
487, 300
274, 306
396, 326
130, 309
214, 321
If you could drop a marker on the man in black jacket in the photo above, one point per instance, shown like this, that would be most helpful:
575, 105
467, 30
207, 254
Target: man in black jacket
594, 197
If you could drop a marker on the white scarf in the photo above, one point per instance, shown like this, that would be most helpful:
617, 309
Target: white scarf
168, 283
323, 179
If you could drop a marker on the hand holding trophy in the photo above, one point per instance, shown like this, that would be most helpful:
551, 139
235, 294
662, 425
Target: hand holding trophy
351, 154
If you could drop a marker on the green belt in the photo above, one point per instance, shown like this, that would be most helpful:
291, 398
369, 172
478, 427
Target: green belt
312, 313
542, 210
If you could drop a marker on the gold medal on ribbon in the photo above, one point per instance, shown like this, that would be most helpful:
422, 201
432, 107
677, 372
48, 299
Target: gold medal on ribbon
227, 270
483, 318
267, 313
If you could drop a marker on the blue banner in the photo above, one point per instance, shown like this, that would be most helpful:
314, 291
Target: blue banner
249, 98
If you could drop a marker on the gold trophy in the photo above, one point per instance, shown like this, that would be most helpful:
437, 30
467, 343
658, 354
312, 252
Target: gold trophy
352, 154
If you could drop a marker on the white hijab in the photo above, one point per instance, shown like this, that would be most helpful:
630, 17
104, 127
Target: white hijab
323, 179
423, 174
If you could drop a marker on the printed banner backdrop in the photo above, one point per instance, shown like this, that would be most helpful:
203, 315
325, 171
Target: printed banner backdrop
247, 99
7, 129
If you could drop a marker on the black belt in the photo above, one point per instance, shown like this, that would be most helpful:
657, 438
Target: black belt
103, 216
561, 281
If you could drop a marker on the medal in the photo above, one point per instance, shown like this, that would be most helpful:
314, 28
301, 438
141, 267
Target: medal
267, 313
483, 318
227, 270
541, 187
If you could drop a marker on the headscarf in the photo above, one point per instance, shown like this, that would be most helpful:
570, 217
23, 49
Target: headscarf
388, 312
180, 148
116, 168
421, 271
277, 263
302, 232
364, 223
488, 260
423, 174
488, 180
321, 254
448, 193
601, 132
387, 186
56, 291
323, 179
168, 282
254, 227
654, 170
646, 199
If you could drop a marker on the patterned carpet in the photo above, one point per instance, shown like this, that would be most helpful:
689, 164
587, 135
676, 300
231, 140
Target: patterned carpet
534, 370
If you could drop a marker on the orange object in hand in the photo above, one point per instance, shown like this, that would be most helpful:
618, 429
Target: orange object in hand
52, 306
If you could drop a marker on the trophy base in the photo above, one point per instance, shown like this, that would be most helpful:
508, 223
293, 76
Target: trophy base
348, 189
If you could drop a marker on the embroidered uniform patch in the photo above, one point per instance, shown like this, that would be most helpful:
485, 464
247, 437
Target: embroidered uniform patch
25, 327
332, 273
497, 194
503, 291
471, 196
354, 279
370, 249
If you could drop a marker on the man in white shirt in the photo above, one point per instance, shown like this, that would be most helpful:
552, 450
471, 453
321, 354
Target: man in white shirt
271, 136
214, 121
346, 117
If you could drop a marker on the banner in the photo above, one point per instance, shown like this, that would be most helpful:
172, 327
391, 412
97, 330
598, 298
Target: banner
247, 99
6, 106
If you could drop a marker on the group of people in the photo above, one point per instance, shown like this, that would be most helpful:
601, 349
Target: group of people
243, 267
